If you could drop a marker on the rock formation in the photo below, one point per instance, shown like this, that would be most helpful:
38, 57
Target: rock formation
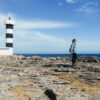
35, 78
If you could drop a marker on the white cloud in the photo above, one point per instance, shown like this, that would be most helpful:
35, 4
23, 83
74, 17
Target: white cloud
28, 41
70, 1
85, 6
22, 24
88, 7
2, 30
35, 24
89, 46
37, 42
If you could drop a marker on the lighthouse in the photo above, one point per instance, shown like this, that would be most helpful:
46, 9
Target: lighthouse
9, 33
8, 50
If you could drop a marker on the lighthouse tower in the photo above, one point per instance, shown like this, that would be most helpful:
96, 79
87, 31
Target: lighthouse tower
8, 50
9, 32
9, 35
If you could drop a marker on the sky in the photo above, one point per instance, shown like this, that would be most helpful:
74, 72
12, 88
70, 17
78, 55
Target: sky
48, 26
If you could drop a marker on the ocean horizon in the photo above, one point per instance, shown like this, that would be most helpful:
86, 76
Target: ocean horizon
58, 55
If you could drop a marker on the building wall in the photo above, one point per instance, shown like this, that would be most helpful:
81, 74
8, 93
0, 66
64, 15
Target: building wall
6, 51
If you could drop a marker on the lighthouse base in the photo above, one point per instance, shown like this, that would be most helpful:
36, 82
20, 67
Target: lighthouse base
6, 51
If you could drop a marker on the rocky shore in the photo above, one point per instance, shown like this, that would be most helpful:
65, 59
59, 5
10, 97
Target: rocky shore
35, 78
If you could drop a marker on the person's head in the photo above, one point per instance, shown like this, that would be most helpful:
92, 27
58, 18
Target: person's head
74, 41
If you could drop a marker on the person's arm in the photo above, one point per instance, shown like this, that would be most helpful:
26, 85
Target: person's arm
71, 49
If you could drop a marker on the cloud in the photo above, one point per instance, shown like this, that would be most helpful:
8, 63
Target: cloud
22, 24
2, 30
28, 41
85, 6
89, 46
70, 1
35, 24
37, 42
88, 7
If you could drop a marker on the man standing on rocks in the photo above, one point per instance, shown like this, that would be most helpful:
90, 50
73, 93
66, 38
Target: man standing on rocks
72, 50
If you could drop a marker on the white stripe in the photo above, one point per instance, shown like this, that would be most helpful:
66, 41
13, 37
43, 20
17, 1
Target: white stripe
9, 40
9, 22
9, 31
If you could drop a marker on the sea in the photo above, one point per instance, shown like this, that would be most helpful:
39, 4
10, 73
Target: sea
58, 55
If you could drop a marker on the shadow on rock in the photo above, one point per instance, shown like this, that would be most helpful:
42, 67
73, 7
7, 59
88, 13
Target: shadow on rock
50, 94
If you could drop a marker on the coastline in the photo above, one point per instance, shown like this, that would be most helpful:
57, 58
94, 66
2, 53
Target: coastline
58, 55
36, 78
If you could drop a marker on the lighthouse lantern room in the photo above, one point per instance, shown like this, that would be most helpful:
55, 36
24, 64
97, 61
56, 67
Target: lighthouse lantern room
8, 50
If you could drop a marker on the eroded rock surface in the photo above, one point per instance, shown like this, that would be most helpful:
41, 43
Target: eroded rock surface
35, 78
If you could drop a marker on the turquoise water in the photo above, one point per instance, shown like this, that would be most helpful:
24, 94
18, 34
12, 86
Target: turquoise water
58, 55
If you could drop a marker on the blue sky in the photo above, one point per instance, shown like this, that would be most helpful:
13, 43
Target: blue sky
48, 26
